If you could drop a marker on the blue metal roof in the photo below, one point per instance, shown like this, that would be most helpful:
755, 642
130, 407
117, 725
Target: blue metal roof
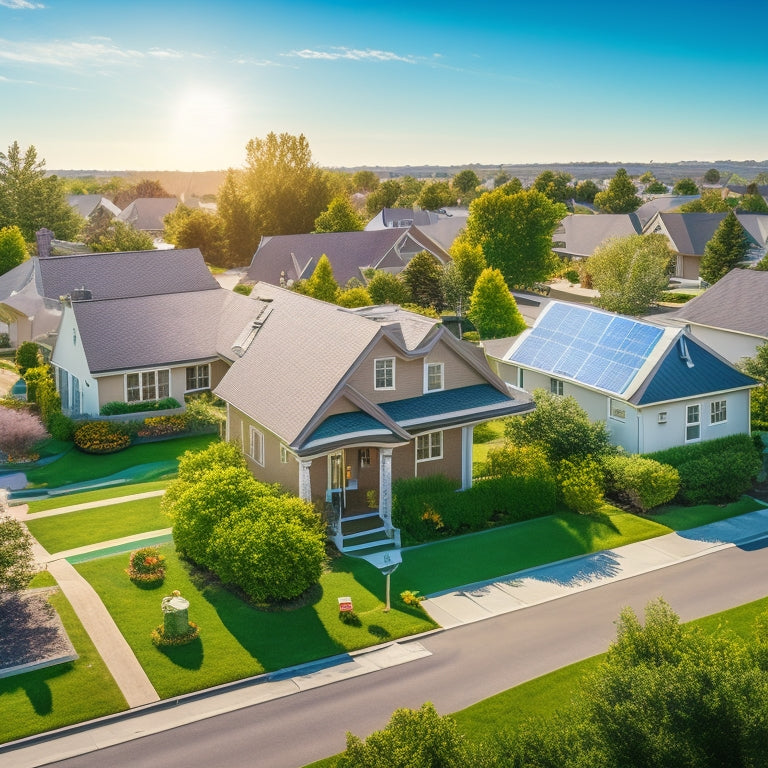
674, 378
449, 404
595, 348
342, 424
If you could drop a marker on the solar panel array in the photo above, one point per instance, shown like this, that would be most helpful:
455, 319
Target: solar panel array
594, 348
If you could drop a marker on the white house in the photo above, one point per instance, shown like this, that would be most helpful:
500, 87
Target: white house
655, 387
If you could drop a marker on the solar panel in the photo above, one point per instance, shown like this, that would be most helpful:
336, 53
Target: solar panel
594, 348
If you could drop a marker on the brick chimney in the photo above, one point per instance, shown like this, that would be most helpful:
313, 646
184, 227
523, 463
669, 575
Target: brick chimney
44, 237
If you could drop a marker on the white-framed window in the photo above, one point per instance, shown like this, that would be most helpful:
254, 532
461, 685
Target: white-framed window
717, 412
433, 377
198, 377
283, 454
618, 410
384, 373
520, 378
147, 385
364, 457
692, 423
429, 447
661, 417
556, 386
256, 445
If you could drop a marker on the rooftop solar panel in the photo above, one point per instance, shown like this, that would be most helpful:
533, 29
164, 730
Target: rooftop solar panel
594, 348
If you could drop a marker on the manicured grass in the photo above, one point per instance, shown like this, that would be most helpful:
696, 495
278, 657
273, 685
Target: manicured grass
49, 698
77, 467
683, 518
90, 526
101, 494
238, 640
480, 450
461, 560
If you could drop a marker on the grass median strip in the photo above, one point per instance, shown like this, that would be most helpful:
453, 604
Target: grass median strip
101, 494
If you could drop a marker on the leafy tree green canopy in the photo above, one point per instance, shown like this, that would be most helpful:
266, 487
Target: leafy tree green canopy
422, 277
384, 196
121, 237
435, 195
322, 285
365, 181
514, 232
385, 288
339, 216
728, 247
656, 187
686, 186
556, 185
712, 176
465, 183
492, 308
621, 195
711, 201
13, 249
630, 272
188, 228
17, 565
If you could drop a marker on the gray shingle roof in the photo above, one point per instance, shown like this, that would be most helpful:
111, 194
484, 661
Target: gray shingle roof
85, 205
119, 275
690, 232
736, 302
584, 233
146, 213
160, 330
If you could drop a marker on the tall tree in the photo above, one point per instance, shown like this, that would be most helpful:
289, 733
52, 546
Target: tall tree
434, 195
465, 184
121, 237
13, 249
17, 564
240, 228
712, 176
492, 308
365, 181
30, 200
656, 187
515, 232
198, 228
384, 196
410, 189
385, 288
621, 195
322, 285
556, 185
468, 260
501, 178
422, 278
752, 204
339, 216
727, 248
686, 186
585, 191
630, 272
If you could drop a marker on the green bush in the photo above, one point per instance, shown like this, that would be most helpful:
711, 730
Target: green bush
5, 340
643, 483
101, 437
201, 414
243, 289
61, 427
713, 471
33, 376
581, 484
483, 433
27, 356
117, 407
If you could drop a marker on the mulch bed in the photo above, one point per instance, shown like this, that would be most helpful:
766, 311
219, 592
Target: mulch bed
32, 633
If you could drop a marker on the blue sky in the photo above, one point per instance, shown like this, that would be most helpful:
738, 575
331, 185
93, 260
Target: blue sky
184, 86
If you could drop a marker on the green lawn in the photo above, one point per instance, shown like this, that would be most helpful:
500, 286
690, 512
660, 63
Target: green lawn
101, 494
480, 450
90, 526
77, 467
237, 640
683, 518
33, 702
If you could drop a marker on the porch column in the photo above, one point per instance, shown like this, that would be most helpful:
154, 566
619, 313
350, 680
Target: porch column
466, 457
385, 487
305, 484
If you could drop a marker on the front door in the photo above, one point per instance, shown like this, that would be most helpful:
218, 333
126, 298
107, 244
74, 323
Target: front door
336, 480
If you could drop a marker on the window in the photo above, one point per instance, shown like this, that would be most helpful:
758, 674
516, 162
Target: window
147, 385
198, 377
618, 410
717, 412
520, 378
364, 455
661, 417
384, 377
433, 375
283, 454
556, 386
256, 445
429, 446
692, 423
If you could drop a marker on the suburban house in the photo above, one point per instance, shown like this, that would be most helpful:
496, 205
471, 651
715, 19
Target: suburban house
731, 316
400, 217
335, 404
284, 259
655, 387
89, 206
146, 214
442, 227
30, 293
578, 235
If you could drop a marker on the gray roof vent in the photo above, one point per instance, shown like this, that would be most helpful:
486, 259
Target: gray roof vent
80, 294
245, 339
684, 354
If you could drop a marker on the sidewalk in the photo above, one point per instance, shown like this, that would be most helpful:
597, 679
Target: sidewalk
450, 609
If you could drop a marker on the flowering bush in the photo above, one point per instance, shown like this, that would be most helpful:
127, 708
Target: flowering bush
411, 597
19, 431
159, 426
160, 639
146, 565
101, 437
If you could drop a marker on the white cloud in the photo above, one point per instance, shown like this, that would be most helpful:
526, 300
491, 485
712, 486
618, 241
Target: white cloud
245, 60
24, 5
351, 54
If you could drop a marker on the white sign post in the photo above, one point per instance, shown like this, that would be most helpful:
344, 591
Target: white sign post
387, 563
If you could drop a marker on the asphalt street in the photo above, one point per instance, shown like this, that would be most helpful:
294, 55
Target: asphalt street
466, 664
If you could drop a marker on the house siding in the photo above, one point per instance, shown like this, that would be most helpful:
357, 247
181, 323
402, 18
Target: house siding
729, 344
69, 357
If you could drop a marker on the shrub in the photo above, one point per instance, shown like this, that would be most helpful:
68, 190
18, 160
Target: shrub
483, 433
713, 471
163, 640
243, 289
146, 565
581, 484
34, 376
202, 414
101, 437
643, 483
19, 432
160, 426
27, 356
17, 563
117, 407
411, 597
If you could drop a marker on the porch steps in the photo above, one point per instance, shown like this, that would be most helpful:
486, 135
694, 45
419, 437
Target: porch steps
367, 535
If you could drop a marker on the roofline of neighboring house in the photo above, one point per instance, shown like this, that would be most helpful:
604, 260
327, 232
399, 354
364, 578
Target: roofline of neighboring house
685, 321
713, 393
156, 366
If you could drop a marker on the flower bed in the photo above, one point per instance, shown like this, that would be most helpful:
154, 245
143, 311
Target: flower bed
160, 639
146, 566
161, 426
101, 437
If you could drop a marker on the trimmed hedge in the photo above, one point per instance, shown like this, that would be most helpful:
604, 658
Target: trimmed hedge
713, 471
432, 507
641, 482
116, 407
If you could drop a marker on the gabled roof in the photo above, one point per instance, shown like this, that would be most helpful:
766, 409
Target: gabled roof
294, 257
117, 275
690, 232
146, 213
85, 205
661, 203
736, 302
298, 362
622, 357
582, 233
161, 330
400, 217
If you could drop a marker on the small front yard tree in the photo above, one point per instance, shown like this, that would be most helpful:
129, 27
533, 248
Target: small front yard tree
492, 308
727, 248
621, 195
16, 561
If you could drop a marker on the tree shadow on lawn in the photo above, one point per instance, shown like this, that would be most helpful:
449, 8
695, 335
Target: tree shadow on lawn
189, 656
587, 530
36, 686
